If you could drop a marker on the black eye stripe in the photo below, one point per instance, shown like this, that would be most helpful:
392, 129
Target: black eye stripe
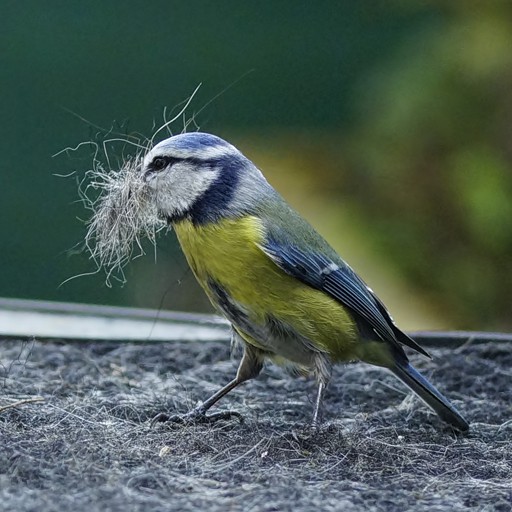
161, 162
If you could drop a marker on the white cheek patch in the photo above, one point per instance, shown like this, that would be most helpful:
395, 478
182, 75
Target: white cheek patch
178, 188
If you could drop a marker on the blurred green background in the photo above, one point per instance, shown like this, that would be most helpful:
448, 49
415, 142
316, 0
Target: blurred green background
387, 124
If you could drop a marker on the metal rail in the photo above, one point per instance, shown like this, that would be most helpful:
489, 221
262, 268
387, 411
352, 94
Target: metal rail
20, 318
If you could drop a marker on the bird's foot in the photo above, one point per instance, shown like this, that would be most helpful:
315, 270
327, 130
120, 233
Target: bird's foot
195, 417
314, 426
311, 430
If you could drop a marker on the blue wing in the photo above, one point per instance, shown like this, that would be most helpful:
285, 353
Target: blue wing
339, 281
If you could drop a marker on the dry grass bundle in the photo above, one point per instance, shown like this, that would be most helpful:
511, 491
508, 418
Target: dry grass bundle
123, 214
123, 209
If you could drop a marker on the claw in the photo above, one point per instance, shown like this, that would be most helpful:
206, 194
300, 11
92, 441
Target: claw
195, 417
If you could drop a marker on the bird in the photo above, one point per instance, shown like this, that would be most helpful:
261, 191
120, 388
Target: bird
288, 295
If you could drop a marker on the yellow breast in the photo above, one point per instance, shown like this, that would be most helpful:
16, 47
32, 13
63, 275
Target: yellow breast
228, 252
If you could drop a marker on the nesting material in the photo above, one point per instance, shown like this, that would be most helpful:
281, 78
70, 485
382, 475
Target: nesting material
123, 214
123, 210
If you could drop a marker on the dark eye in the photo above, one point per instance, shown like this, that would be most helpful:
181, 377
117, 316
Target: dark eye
159, 163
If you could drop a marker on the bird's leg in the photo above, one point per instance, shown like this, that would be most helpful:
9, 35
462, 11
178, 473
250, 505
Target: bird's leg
323, 369
318, 404
249, 368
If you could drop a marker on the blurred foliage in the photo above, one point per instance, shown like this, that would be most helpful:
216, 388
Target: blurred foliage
430, 161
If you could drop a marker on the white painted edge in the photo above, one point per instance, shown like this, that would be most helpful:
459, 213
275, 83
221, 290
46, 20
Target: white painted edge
42, 319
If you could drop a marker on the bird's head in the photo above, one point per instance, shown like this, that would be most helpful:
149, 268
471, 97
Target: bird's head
201, 177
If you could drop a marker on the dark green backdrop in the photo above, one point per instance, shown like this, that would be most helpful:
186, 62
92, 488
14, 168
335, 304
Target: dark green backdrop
122, 62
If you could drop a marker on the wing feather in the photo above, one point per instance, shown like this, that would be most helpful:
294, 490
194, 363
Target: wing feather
338, 280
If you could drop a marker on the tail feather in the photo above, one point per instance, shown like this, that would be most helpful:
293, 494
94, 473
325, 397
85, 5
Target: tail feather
430, 395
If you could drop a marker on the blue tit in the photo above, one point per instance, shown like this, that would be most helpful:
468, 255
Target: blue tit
288, 295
